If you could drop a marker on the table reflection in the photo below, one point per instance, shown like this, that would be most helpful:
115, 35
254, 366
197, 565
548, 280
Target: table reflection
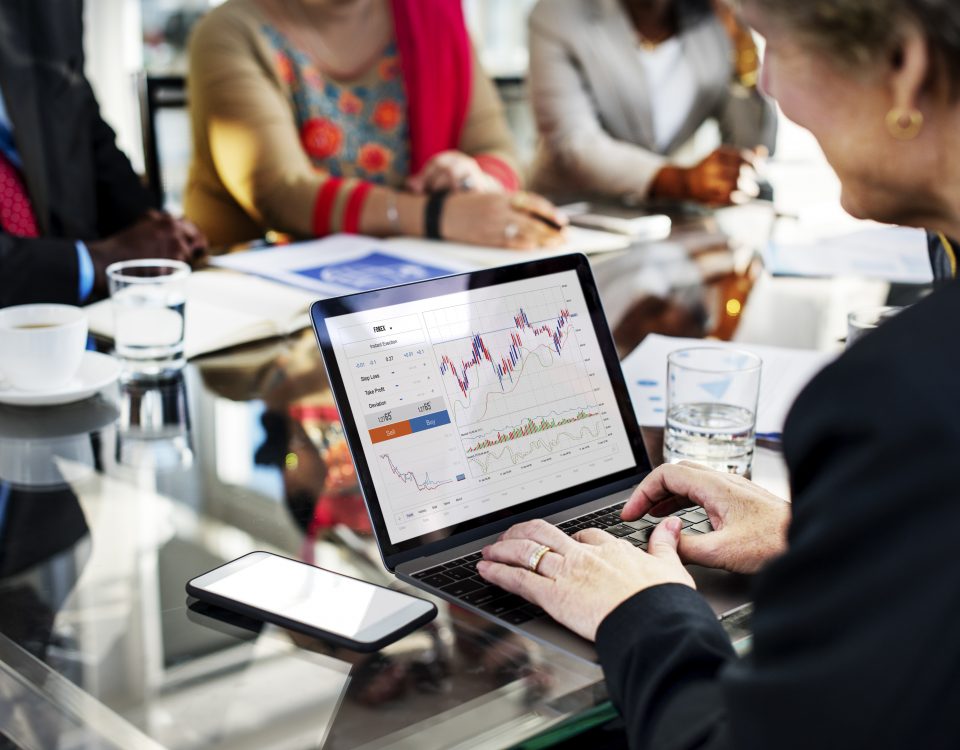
44, 544
51, 446
154, 425
107, 508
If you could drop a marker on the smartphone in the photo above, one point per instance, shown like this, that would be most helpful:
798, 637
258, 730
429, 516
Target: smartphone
633, 222
337, 608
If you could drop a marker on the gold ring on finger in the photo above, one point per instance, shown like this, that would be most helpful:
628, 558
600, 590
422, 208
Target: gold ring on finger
536, 557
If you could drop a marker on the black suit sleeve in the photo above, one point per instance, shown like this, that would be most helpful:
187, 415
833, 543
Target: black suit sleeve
90, 187
24, 263
121, 196
855, 625
661, 651
46, 269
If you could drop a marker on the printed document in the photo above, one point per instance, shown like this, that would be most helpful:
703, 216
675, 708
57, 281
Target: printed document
783, 375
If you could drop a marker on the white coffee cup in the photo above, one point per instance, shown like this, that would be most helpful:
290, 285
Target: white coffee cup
41, 346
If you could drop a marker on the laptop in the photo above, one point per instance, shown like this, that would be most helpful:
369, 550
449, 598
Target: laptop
476, 401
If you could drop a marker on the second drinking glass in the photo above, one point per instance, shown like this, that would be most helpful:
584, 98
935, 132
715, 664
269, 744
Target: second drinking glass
712, 396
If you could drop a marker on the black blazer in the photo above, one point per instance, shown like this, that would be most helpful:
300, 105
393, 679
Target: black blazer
81, 185
856, 626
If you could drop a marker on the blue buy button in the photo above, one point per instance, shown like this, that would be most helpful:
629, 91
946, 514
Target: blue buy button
429, 421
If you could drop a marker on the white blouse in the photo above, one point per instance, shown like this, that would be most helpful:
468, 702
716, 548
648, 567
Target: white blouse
672, 88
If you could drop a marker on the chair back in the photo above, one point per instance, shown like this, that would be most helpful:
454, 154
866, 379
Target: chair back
167, 140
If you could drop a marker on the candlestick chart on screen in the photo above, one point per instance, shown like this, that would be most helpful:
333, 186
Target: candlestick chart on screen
514, 374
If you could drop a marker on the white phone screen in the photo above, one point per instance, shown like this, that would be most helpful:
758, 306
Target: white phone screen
328, 601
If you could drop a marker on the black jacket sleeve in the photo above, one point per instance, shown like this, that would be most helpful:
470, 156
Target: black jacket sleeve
38, 270
661, 651
855, 625
89, 189
122, 198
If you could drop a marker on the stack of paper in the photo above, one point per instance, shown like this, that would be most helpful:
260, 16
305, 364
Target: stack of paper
272, 294
895, 254
345, 263
783, 375
225, 309
578, 240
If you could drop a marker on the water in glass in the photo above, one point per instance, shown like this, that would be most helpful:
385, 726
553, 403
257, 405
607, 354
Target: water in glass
717, 435
149, 328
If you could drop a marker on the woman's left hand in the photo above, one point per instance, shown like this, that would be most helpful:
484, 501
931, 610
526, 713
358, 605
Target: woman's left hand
583, 578
452, 170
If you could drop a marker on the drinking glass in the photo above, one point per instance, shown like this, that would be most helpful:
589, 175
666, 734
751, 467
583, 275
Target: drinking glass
712, 398
149, 305
866, 319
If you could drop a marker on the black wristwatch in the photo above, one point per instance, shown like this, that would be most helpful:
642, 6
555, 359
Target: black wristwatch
432, 214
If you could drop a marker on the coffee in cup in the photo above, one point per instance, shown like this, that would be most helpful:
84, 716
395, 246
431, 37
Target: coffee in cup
41, 346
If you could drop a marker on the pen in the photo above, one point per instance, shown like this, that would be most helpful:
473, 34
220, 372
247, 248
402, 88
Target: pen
556, 226
521, 202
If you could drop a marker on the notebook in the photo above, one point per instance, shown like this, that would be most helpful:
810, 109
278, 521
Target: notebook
476, 401
224, 309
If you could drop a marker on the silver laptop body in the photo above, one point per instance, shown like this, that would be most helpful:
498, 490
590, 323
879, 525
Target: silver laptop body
475, 401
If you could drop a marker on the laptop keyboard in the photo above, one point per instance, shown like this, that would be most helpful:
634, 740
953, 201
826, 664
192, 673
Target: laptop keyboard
459, 578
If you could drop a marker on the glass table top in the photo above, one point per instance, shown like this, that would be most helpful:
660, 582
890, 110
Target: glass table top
108, 506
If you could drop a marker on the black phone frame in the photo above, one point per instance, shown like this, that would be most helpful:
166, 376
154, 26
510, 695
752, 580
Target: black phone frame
301, 627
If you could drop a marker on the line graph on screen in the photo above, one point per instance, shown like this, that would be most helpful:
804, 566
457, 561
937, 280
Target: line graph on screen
529, 427
428, 469
580, 435
509, 357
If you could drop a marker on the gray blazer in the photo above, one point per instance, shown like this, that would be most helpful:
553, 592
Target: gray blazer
592, 108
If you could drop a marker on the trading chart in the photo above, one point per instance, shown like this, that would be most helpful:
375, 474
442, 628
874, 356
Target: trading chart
479, 400
420, 475
516, 378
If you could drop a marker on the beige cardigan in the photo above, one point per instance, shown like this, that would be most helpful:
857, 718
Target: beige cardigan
249, 173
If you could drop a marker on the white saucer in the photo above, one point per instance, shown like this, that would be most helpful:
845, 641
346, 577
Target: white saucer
96, 372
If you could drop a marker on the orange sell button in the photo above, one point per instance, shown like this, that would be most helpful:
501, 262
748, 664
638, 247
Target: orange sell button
391, 431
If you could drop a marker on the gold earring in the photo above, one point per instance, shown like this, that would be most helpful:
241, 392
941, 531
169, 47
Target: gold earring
904, 124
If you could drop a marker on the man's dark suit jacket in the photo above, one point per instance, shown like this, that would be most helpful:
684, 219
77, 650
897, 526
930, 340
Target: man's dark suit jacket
856, 626
80, 184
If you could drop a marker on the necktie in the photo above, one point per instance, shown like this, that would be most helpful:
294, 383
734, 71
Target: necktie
16, 213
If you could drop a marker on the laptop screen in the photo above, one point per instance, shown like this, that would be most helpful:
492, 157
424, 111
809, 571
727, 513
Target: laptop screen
470, 399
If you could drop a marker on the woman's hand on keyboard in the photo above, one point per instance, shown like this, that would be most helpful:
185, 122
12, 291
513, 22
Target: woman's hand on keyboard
583, 578
750, 524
